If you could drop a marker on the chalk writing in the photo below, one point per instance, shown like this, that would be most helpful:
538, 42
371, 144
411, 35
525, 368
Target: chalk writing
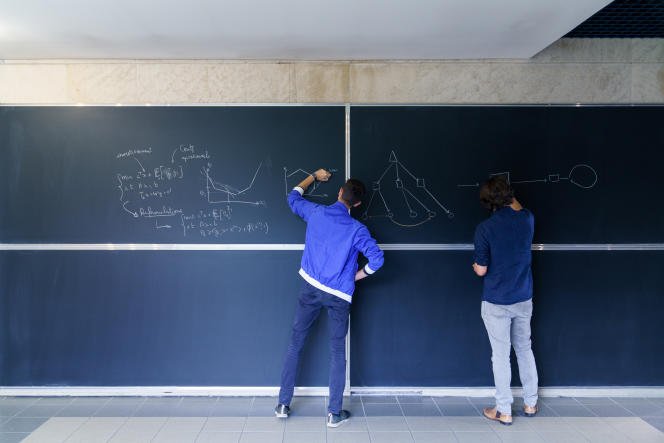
169, 194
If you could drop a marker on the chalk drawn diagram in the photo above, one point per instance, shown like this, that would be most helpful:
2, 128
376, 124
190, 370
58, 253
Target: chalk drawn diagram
415, 202
581, 175
296, 176
220, 193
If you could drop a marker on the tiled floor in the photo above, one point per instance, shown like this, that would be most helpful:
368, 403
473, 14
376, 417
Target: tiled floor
375, 419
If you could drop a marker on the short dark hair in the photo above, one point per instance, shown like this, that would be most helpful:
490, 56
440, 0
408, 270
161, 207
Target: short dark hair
353, 191
496, 193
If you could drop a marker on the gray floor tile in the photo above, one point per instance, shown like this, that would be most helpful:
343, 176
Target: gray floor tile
233, 407
485, 402
521, 437
56, 430
264, 424
224, 424
305, 424
595, 400
181, 437
382, 410
434, 437
132, 437
22, 424
193, 410
183, 425
477, 437
305, 437
455, 400
18, 401
40, 411
54, 401
548, 424
218, 437
143, 424
630, 425
420, 410
645, 409
150, 410
468, 424
370, 399
261, 437
391, 437
348, 437
307, 407
659, 401
556, 401
261, 403
656, 422
12, 437
12, 410
387, 424
428, 424
458, 410
163, 400
577, 410
629, 400
229, 411
236, 401
116, 411
127, 400
605, 436
199, 400
78, 410
97, 431
563, 437
415, 399
608, 410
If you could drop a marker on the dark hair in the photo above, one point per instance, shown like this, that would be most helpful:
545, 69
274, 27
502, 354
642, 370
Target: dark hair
496, 193
353, 191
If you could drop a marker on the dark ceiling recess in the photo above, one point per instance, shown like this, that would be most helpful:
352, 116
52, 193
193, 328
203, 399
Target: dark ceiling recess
624, 19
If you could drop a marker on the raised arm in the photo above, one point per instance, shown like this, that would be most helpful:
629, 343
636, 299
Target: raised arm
298, 204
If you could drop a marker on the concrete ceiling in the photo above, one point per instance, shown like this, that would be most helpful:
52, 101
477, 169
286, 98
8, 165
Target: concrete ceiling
286, 29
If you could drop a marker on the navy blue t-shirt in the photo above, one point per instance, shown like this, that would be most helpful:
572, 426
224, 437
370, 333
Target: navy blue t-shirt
503, 243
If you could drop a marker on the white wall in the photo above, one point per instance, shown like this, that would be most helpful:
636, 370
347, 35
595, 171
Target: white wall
569, 71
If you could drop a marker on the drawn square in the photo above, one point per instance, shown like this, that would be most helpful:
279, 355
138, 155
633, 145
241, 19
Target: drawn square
399, 183
375, 186
420, 183
553, 178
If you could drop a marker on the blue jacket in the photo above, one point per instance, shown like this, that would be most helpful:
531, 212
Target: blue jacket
333, 241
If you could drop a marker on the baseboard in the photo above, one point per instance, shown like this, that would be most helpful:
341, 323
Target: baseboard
251, 391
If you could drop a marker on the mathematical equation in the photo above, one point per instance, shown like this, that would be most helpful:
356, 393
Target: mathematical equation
174, 190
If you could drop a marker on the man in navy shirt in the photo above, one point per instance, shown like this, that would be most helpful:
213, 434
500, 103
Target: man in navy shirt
329, 269
502, 256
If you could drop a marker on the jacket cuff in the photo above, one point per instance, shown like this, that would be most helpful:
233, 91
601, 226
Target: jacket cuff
368, 270
298, 189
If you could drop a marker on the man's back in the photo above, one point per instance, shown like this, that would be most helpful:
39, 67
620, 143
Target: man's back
503, 243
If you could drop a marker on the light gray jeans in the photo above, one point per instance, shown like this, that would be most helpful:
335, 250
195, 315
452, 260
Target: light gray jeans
509, 325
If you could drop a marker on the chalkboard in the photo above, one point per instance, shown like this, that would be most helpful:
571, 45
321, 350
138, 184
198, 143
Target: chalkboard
162, 174
596, 322
152, 318
589, 174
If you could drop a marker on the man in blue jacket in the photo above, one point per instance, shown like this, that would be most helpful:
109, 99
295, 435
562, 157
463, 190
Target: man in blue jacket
329, 269
502, 256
